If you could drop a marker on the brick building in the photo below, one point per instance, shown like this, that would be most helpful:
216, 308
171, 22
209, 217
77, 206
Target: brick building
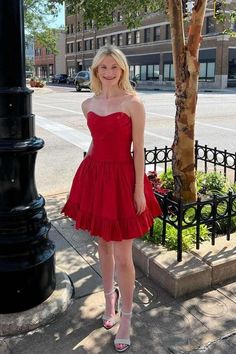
44, 62
47, 63
148, 49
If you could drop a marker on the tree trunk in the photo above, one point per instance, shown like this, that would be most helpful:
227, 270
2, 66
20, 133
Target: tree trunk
186, 67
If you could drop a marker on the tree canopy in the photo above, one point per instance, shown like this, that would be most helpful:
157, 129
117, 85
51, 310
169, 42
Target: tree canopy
99, 12
36, 24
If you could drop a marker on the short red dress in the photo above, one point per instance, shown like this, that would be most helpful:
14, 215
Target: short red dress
101, 199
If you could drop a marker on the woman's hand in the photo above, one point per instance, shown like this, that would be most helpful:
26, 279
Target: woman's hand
139, 201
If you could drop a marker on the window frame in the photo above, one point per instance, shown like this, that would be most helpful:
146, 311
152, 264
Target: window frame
137, 37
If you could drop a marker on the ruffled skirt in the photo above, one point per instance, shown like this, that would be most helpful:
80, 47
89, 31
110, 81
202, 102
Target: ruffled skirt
101, 200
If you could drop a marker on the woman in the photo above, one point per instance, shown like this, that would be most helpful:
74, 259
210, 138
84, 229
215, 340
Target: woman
111, 196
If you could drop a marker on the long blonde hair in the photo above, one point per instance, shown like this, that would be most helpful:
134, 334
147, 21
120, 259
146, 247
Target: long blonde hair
119, 57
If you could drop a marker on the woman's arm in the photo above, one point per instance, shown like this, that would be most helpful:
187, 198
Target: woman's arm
138, 123
85, 109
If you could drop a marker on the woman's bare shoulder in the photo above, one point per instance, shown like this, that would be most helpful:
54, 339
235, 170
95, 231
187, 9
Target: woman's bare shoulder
135, 105
85, 105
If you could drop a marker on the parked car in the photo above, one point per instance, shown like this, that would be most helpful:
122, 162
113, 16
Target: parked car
71, 79
59, 78
82, 80
50, 78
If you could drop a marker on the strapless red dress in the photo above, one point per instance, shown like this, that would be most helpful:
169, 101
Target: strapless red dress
101, 197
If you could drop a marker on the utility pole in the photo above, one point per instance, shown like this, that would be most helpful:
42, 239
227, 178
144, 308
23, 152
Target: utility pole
27, 269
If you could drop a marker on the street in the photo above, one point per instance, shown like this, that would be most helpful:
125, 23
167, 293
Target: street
60, 122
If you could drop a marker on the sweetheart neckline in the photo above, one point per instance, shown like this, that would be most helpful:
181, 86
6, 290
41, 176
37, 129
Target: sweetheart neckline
110, 114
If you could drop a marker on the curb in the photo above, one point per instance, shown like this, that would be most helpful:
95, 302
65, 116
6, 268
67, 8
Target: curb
25, 321
199, 269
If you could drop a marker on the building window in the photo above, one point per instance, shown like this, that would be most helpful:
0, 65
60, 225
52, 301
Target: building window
48, 51
233, 25
147, 35
168, 72
119, 16
67, 48
67, 29
78, 27
78, 46
157, 33
207, 71
137, 72
86, 45
131, 72
152, 72
98, 43
113, 39
167, 32
143, 72
90, 24
232, 64
210, 25
128, 38
85, 26
72, 28
91, 44
71, 47
136, 37
37, 52
50, 69
120, 39
104, 40
113, 16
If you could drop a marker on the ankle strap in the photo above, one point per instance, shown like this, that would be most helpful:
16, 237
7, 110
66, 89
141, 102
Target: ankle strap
110, 292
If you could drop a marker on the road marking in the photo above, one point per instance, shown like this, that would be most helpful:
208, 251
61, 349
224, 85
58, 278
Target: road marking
157, 136
200, 123
59, 108
151, 113
217, 127
71, 135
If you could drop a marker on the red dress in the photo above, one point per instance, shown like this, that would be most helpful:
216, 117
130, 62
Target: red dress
101, 197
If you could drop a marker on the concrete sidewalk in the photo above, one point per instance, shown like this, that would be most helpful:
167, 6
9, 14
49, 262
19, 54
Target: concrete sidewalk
201, 323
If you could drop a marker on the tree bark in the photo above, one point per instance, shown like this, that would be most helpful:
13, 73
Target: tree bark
186, 67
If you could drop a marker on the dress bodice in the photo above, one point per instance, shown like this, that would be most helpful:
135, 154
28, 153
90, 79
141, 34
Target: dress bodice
112, 136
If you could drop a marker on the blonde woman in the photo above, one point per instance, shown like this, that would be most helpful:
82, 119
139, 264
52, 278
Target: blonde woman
111, 196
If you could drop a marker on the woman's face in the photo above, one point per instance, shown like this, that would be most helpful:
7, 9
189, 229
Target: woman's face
109, 72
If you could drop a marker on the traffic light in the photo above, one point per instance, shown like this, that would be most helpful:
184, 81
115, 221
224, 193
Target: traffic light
218, 7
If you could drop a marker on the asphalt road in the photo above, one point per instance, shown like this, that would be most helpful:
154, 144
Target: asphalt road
60, 122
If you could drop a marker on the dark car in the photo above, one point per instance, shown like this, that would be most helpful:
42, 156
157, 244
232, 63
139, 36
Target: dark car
82, 80
60, 78
71, 79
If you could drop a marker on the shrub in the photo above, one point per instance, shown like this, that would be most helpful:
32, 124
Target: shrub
213, 183
167, 179
188, 235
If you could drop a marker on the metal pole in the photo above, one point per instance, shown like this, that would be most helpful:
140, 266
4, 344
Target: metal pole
27, 270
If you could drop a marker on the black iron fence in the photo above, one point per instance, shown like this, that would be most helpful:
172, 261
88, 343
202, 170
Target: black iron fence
218, 208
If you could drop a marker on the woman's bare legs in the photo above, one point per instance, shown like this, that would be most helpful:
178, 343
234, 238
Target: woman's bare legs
107, 265
126, 278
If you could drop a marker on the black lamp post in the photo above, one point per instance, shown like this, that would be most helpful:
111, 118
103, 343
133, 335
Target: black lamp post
27, 270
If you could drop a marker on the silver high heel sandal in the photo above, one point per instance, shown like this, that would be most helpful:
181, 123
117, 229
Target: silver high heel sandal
109, 321
120, 341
